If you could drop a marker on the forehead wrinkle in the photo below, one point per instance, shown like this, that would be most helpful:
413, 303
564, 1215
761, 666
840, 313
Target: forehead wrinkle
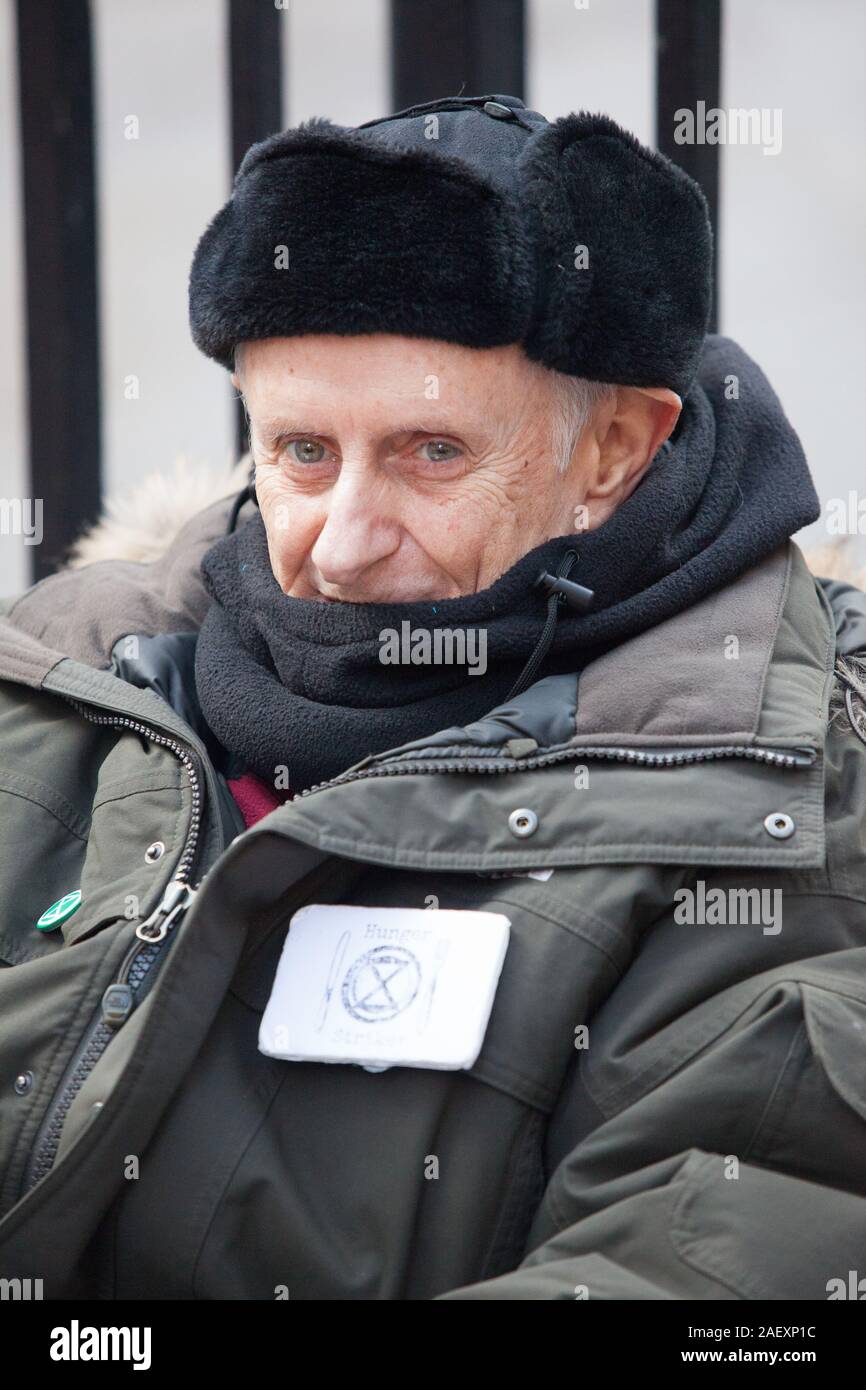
392, 410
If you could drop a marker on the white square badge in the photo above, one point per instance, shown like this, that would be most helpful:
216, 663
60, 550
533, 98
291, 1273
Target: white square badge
385, 986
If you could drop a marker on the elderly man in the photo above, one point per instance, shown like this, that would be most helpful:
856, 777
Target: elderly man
440, 873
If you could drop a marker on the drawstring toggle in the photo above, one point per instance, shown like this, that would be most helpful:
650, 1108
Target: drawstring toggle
577, 596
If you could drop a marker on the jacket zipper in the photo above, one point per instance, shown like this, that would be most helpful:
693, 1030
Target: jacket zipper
125, 991
121, 996
483, 759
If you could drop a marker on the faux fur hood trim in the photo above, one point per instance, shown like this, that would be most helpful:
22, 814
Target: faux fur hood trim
140, 523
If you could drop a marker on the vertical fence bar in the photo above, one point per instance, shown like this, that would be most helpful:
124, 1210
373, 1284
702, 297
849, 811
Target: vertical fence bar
256, 78
688, 70
60, 255
456, 48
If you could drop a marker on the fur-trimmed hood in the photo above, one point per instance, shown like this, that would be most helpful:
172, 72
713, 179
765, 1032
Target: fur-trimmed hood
140, 523
138, 570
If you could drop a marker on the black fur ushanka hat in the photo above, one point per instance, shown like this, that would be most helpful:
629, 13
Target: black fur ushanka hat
472, 220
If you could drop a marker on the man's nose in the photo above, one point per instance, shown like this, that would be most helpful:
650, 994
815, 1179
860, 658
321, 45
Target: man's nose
359, 530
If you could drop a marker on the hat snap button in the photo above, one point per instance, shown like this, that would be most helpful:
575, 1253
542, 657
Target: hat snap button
522, 822
500, 111
23, 1083
779, 825
154, 852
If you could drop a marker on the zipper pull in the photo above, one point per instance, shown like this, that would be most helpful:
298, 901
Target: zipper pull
118, 999
175, 901
117, 1002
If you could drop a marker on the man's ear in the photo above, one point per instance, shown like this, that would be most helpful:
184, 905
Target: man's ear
666, 418
631, 430
235, 382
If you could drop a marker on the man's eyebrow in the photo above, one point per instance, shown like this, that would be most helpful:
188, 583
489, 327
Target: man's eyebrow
274, 428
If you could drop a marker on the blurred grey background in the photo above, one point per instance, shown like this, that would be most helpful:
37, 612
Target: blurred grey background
791, 225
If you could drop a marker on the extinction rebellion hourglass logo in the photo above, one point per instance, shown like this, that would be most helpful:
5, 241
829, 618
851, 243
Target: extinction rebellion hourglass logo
380, 984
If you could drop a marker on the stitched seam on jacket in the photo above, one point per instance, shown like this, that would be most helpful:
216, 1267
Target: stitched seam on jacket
679, 1234
220, 1198
636, 852
547, 915
777, 1091
512, 1211
771, 646
62, 810
515, 1083
812, 1021
660, 1070
136, 786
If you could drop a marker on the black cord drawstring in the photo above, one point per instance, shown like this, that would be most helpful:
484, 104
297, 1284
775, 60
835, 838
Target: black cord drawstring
242, 497
247, 494
561, 591
559, 588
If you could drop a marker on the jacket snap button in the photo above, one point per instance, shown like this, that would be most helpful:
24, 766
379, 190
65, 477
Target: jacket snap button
522, 822
499, 110
154, 851
23, 1083
779, 825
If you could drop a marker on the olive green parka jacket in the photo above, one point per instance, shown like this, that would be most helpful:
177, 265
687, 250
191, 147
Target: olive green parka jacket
662, 1108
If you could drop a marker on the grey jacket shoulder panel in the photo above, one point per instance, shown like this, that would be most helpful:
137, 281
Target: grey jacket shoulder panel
82, 612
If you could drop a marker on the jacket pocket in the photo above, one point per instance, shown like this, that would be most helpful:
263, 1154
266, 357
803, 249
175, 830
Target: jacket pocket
836, 1025
814, 1123
765, 1235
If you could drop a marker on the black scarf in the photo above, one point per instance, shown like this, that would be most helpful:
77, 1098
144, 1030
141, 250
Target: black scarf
298, 683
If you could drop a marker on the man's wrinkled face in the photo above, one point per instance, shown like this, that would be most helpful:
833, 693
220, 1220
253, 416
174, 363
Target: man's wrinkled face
394, 469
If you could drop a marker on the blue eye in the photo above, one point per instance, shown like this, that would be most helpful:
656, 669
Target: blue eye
306, 450
440, 449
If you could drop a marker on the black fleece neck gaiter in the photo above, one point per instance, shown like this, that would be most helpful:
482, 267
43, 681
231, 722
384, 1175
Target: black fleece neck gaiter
297, 683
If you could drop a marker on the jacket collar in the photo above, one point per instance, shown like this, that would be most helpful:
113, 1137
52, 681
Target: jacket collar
670, 696
749, 665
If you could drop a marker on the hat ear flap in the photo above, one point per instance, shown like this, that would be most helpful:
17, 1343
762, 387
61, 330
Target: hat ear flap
625, 256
